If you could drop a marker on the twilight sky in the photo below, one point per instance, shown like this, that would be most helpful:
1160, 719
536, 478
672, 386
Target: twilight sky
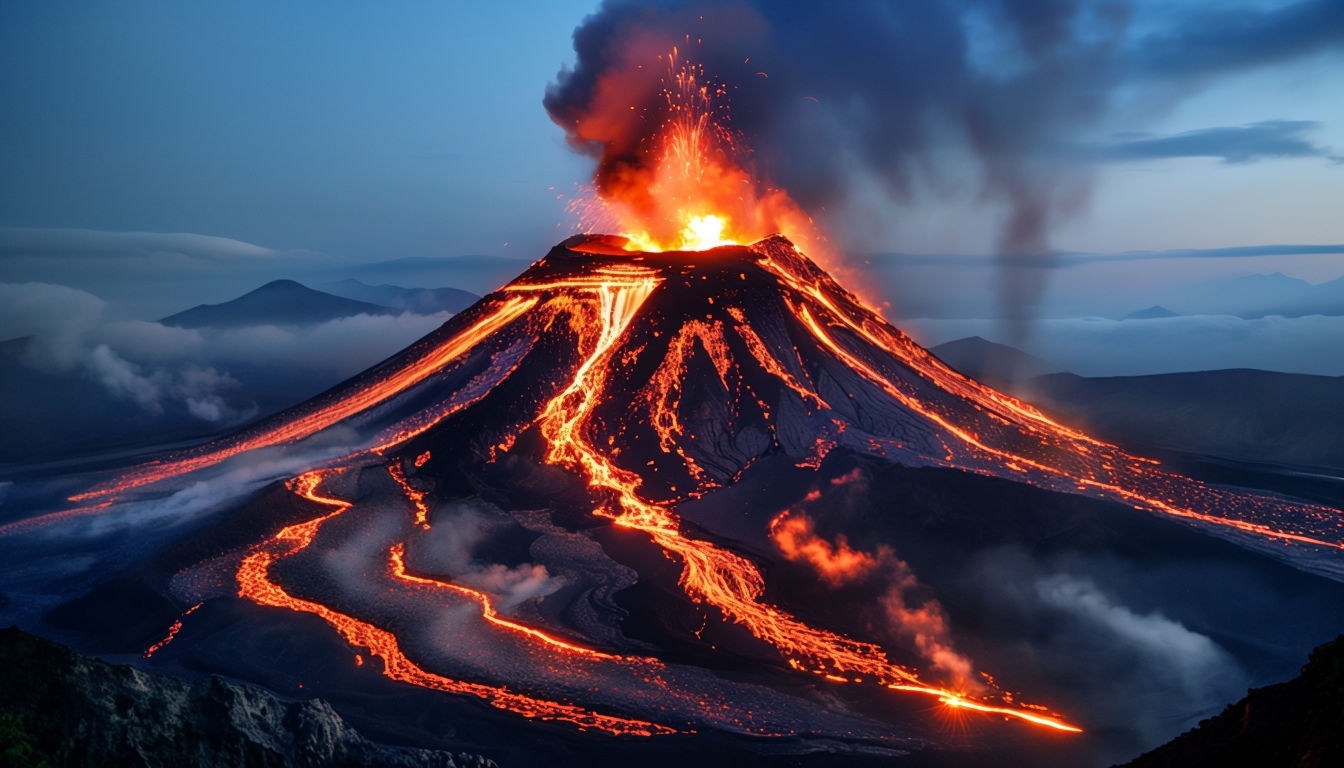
351, 134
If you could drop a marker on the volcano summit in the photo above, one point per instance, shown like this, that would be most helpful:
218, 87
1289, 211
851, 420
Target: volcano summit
659, 493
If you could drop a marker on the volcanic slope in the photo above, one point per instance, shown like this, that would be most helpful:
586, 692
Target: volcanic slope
695, 365
655, 379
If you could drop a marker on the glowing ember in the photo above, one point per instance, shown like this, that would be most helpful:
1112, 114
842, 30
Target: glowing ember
693, 189
173, 629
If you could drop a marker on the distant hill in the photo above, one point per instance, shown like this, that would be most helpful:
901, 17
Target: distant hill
478, 273
422, 301
1243, 414
991, 362
1254, 296
1298, 723
281, 302
1155, 312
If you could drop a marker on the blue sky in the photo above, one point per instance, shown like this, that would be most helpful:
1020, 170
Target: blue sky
307, 138
416, 129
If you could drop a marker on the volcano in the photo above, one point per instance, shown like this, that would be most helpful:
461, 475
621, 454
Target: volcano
612, 495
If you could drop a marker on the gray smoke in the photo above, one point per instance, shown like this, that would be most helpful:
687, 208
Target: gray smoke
835, 98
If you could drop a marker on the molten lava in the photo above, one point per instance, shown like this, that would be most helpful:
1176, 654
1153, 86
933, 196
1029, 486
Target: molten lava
254, 583
692, 188
659, 373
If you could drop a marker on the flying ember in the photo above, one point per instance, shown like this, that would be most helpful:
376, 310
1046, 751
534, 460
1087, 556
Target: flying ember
692, 187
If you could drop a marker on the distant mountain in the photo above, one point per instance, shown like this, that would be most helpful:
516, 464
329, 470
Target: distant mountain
281, 302
1249, 415
1254, 296
992, 363
1155, 312
1241, 414
1297, 723
477, 273
422, 301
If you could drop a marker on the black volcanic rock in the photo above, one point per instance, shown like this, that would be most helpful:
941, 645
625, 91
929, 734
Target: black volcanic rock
280, 302
692, 397
74, 710
1299, 723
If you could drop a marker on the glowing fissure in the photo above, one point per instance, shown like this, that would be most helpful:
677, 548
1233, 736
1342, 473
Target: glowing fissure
413, 495
727, 581
255, 584
665, 388
171, 635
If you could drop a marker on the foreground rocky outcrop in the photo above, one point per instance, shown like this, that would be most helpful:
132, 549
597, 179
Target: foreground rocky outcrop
59, 708
1299, 723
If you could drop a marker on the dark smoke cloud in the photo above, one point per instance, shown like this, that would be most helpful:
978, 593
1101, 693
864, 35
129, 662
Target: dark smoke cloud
834, 97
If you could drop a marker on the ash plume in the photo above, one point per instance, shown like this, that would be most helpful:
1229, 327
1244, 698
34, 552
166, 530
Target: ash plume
838, 98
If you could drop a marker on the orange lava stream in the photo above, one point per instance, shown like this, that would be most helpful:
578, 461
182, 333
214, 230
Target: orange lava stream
375, 391
413, 495
397, 557
727, 581
173, 629
1122, 466
254, 583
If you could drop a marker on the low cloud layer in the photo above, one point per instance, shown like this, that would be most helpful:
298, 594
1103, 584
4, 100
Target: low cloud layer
1104, 347
1231, 144
199, 372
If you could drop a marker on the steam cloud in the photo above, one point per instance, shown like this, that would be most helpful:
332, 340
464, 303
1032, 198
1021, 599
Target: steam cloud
158, 367
836, 98
449, 549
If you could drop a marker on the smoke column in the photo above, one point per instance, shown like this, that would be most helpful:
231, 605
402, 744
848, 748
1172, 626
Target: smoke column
837, 97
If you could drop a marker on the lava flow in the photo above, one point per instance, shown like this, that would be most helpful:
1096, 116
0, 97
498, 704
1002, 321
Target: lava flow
660, 367
729, 582
255, 584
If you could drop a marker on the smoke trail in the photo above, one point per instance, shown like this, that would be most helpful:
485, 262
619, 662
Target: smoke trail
912, 95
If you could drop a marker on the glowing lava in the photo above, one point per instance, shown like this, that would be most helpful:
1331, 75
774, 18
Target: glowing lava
692, 189
254, 583
729, 582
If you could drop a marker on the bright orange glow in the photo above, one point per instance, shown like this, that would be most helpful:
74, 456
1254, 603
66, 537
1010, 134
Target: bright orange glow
836, 564
710, 574
173, 629
413, 495
254, 583
397, 558
695, 190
